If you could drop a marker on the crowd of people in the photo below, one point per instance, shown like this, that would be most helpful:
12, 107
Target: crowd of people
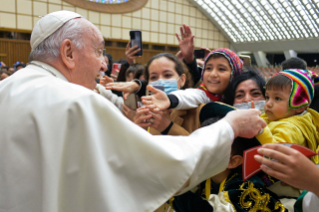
81, 146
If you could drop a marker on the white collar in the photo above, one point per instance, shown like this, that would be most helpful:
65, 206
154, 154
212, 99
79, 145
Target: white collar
51, 70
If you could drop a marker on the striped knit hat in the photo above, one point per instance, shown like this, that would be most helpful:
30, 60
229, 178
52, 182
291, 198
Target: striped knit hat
302, 91
235, 62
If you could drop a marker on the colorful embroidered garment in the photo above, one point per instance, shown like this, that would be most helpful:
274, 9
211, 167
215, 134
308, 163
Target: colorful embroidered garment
235, 62
213, 97
251, 195
302, 91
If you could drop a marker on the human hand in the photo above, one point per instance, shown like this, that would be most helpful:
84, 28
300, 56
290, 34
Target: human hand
291, 167
186, 44
179, 55
207, 51
200, 62
130, 53
105, 80
161, 120
245, 123
157, 101
126, 87
142, 117
128, 112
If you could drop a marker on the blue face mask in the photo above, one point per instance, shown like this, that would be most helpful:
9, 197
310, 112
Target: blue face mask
169, 85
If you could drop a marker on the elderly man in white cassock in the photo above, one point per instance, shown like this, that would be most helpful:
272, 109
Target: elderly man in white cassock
64, 147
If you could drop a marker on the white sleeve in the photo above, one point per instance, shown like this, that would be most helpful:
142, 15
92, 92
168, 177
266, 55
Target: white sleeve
219, 203
310, 202
190, 98
124, 159
116, 100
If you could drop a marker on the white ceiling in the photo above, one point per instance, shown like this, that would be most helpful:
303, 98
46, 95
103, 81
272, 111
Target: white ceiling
265, 25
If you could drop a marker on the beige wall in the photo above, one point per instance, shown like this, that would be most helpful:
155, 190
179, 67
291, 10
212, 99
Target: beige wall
158, 20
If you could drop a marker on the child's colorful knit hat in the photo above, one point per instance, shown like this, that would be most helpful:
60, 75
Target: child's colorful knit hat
235, 62
302, 91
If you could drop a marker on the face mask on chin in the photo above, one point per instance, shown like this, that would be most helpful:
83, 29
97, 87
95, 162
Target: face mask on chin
169, 85
247, 105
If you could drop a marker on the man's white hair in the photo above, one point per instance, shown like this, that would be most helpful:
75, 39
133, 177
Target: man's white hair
49, 49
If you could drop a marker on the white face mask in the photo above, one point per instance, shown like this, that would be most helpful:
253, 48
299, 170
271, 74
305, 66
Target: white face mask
169, 85
247, 105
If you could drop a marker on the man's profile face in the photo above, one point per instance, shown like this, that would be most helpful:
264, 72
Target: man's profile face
89, 60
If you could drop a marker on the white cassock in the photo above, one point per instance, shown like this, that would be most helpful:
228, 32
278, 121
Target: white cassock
65, 148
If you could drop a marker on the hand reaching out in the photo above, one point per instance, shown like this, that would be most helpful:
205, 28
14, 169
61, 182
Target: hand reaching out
126, 87
105, 80
156, 102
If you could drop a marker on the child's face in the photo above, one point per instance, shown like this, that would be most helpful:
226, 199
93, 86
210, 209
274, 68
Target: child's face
217, 75
276, 106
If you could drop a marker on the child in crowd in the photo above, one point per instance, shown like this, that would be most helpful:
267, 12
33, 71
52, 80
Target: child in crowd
289, 120
220, 68
227, 191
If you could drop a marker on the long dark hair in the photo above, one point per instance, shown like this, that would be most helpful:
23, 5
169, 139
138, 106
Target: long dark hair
247, 75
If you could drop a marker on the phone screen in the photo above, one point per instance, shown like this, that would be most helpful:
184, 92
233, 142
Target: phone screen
136, 39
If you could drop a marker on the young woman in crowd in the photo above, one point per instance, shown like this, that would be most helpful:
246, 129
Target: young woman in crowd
167, 71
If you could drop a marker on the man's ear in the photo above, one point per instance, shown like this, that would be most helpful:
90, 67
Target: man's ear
300, 110
182, 80
67, 53
235, 161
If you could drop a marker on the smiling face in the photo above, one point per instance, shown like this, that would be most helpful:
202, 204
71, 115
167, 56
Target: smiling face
217, 74
89, 60
247, 91
276, 106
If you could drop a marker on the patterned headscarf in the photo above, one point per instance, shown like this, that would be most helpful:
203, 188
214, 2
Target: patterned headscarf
302, 91
235, 62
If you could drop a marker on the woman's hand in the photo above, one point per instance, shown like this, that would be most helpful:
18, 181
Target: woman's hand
186, 43
126, 87
128, 112
156, 102
160, 120
291, 167
130, 53
142, 117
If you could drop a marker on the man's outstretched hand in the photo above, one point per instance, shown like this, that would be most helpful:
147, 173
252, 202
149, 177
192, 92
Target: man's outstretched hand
245, 123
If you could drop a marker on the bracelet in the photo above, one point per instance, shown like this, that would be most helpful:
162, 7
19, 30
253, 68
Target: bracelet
139, 83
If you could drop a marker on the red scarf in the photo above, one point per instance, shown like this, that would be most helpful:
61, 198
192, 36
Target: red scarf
213, 97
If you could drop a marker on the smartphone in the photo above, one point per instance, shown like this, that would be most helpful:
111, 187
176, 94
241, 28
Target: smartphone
246, 59
199, 53
136, 39
131, 101
116, 67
